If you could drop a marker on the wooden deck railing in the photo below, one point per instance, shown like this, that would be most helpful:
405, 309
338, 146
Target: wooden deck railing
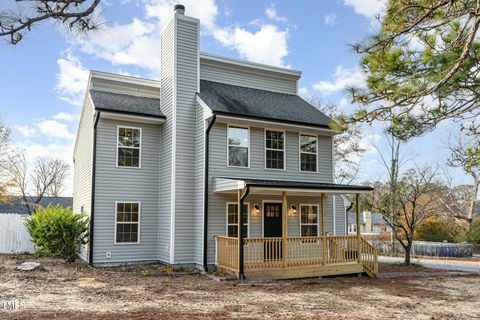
227, 252
269, 253
369, 257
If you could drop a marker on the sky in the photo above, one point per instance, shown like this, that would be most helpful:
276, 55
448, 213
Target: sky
44, 77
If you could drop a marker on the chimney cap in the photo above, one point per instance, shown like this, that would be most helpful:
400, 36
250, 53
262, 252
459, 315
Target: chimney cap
179, 8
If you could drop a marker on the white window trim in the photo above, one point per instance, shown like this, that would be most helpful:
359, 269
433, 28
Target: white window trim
263, 216
309, 224
284, 148
300, 152
115, 226
248, 147
232, 224
139, 148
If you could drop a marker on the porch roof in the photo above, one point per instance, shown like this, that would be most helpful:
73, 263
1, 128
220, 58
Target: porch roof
264, 186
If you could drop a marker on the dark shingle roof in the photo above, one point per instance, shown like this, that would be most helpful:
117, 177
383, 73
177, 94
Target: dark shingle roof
261, 104
17, 204
124, 103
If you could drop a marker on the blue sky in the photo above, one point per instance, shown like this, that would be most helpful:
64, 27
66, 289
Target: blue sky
44, 77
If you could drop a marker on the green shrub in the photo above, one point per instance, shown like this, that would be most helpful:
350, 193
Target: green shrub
57, 231
473, 235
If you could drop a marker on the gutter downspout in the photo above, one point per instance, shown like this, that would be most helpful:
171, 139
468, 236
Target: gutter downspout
92, 200
241, 273
205, 194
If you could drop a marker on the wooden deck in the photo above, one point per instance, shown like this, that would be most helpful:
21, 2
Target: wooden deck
297, 257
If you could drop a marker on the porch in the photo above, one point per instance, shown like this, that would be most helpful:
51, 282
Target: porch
278, 255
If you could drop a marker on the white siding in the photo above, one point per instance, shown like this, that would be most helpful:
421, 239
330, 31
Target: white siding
83, 157
124, 88
186, 82
247, 77
165, 170
120, 184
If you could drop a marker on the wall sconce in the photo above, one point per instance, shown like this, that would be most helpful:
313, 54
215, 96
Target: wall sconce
256, 210
293, 211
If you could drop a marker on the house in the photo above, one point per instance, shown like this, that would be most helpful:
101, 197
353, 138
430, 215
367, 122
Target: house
18, 205
370, 224
164, 169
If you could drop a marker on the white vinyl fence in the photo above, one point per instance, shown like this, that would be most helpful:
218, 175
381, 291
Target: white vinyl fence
14, 237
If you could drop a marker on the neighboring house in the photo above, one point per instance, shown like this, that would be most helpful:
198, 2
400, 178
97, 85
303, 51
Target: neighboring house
370, 223
164, 167
18, 205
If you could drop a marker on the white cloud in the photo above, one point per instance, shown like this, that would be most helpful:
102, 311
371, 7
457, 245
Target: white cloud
341, 79
304, 92
138, 43
55, 129
267, 45
26, 131
367, 8
343, 103
330, 19
71, 79
272, 14
66, 116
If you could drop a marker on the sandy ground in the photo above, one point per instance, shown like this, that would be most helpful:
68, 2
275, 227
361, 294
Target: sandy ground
76, 291
472, 265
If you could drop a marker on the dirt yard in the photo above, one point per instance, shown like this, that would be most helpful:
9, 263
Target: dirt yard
76, 291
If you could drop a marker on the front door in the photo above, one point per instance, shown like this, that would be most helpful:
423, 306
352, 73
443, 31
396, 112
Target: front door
272, 228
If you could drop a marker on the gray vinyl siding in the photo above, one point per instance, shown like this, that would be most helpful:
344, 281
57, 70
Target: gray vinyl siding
83, 157
218, 168
125, 185
186, 81
218, 157
165, 170
199, 183
247, 77
340, 222
124, 88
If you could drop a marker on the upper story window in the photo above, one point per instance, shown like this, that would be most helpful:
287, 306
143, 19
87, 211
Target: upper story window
309, 220
274, 149
308, 153
129, 147
238, 147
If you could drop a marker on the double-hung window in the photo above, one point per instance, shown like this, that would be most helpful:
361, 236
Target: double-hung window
232, 219
129, 147
274, 149
237, 142
127, 220
308, 153
309, 220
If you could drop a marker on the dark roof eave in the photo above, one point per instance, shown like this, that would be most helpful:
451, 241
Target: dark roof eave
222, 113
286, 186
131, 113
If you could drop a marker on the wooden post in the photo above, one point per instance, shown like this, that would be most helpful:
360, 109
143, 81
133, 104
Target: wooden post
324, 228
357, 209
284, 229
239, 212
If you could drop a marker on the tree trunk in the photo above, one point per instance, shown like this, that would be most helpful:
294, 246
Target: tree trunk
408, 249
473, 202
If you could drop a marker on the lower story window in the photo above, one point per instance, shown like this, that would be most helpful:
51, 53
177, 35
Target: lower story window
127, 218
309, 220
232, 219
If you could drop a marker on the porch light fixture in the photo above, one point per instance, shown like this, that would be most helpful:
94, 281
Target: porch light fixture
256, 209
293, 210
